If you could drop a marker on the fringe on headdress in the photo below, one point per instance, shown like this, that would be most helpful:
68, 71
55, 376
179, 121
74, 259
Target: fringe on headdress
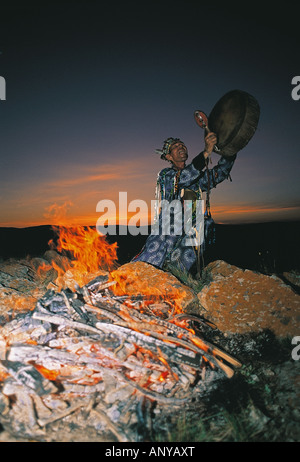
166, 147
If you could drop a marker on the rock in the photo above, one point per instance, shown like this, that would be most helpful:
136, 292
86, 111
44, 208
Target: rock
73, 278
66, 274
64, 263
240, 301
44, 271
256, 418
37, 263
18, 289
140, 278
293, 277
21, 285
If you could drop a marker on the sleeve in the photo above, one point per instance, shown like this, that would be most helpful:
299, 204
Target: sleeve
190, 176
217, 174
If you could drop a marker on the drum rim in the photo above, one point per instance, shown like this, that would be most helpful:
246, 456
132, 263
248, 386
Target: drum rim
242, 134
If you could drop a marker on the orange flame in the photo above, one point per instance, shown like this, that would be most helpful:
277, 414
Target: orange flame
90, 253
43, 269
91, 250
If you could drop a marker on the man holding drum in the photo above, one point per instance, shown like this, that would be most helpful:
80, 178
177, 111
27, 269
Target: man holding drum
234, 118
180, 183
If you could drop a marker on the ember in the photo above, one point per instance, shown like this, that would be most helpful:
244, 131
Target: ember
99, 357
88, 345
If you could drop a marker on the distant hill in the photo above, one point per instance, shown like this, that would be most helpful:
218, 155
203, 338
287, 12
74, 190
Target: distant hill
266, 247
21, 242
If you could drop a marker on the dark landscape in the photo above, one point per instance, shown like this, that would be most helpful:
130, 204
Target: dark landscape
266, 247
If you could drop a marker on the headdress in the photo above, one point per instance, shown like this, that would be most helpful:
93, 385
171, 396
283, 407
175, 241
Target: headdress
166, 147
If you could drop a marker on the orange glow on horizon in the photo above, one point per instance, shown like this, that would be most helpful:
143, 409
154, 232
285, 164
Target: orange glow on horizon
69, 196
60, 215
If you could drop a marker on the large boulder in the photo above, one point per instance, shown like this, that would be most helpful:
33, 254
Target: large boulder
140, 278
24, 281
240, 301
20, 287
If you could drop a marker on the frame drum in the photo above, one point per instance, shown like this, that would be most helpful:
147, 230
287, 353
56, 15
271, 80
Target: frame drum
234, 120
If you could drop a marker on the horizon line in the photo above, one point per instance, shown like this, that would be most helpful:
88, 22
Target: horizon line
250, 222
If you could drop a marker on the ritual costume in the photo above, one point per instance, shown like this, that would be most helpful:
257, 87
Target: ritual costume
172, 184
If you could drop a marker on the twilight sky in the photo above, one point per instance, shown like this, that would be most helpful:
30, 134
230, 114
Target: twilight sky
93, 88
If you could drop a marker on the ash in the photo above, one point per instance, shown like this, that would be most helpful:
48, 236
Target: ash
92, 366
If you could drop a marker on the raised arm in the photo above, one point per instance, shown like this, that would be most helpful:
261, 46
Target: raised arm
210, 177
217, 174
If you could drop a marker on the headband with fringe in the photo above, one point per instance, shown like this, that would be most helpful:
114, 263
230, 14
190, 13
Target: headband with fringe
166, 147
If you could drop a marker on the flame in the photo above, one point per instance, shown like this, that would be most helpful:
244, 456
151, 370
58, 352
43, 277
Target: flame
90, 249
199, 343
90, 253
66, 372
43, 269
163, 376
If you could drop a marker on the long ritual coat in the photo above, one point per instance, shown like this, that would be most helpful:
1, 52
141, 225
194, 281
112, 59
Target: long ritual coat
170, 185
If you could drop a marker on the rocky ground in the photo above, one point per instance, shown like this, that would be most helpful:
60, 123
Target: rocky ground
257, 321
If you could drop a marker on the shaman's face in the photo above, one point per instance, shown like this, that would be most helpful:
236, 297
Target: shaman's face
178, 154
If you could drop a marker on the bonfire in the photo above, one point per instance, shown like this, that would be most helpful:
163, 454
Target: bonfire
101, 349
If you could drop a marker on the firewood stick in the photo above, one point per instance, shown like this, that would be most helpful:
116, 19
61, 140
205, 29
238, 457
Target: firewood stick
104, 312
214, 350
203, 344
61, 415
121, 436
228, 371
60, 320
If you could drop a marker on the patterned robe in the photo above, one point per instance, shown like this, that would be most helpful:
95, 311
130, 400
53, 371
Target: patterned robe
160, 248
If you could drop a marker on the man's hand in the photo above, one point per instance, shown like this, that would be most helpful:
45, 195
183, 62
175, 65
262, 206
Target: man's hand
210, 141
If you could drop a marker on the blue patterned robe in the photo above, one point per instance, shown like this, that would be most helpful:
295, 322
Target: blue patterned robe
160, 248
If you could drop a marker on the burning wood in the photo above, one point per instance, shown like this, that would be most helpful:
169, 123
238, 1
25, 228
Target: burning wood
93, 343
98, 358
